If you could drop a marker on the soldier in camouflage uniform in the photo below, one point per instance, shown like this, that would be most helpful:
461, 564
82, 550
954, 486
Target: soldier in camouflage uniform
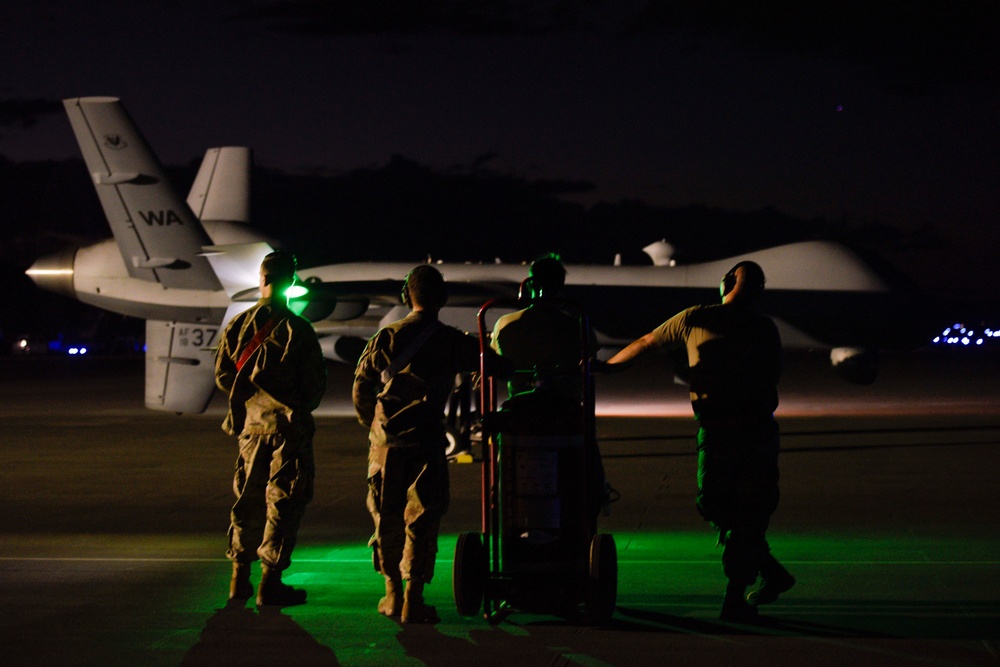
402, 383
270, 364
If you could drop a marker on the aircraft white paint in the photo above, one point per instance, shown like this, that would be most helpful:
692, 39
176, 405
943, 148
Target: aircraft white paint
186, 267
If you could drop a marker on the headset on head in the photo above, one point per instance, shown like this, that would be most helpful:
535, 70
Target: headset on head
728, 283
286, 264
404, 294
532, 286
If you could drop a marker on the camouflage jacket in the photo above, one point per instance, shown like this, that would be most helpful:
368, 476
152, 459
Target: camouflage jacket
281, 383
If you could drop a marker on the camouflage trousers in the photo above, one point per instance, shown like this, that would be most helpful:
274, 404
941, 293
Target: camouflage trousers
407, 496
273, 483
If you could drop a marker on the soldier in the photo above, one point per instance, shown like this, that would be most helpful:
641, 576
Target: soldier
546, 338
402, 383
734, 354
270, 364
543, 336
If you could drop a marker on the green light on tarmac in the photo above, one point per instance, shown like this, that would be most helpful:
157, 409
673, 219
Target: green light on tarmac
881, 585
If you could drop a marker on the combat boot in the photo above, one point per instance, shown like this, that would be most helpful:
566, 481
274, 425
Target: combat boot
240, 587
414, 609
775, 580
392, 603
272, 591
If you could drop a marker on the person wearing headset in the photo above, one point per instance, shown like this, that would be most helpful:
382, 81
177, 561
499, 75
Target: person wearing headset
734, 355
270, 364
543, 341
542, 336
401, 386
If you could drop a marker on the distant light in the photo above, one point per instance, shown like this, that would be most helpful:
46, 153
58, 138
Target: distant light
840, 107
960, 334
72, 351
23, 343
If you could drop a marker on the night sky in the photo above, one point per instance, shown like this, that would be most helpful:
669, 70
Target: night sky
881, 112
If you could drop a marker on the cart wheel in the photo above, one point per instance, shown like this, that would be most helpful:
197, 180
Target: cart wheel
468, 574
602, 584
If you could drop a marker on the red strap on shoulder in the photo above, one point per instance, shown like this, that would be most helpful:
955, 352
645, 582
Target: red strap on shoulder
255, 343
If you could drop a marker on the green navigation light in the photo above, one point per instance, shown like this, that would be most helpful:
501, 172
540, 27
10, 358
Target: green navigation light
296, 292
296, 295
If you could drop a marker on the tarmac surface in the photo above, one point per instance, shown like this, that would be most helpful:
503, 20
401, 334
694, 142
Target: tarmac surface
115, 523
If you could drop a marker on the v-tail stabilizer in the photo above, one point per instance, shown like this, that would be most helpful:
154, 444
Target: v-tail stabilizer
184, 266
159, 236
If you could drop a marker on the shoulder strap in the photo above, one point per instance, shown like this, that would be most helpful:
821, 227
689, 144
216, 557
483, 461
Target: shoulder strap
399, 363
255, 343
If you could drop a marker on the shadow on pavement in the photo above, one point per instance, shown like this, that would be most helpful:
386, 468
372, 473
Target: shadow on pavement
240, 635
